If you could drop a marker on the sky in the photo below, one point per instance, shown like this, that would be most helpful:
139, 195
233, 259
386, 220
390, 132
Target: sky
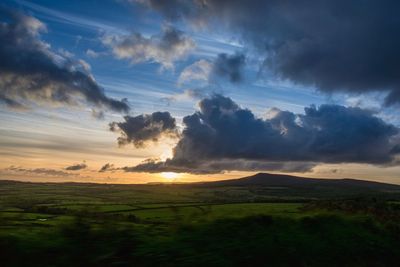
142, 91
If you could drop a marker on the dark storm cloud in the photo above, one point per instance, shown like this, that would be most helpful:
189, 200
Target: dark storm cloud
107, 167
223, 136
225, 66
218, 166
31, 72
330, 133
143, 128
229, 66
254, 165
76, 167
165, 49
155, 166
335, 45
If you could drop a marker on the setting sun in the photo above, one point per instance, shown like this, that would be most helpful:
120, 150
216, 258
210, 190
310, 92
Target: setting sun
169, 175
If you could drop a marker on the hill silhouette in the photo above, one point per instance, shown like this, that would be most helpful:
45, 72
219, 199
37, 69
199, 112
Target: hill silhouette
290, 181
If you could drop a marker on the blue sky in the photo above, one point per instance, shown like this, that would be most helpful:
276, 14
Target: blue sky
63, 135
71, 27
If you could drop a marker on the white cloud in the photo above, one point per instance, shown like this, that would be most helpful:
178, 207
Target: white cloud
198, 71
166, 48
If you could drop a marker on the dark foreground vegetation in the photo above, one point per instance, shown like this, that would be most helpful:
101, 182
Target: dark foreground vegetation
182, 225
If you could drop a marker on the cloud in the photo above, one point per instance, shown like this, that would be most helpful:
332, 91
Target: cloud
218, 166
98, 114
170, 46
144, 128
187, 94
225, 66
40, 171
335, 45
198, 71
206, 75
76, 167
92, 54
107, 167
11, 103
254, 165
229, 66
330, 133
223, 136
32, 73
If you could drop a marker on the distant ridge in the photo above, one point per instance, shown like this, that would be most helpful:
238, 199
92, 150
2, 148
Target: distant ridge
259, 179
276, 180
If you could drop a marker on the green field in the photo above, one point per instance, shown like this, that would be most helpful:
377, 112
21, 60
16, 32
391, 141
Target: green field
176, 225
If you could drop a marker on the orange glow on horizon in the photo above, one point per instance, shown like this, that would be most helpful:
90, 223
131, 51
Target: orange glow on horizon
170, 175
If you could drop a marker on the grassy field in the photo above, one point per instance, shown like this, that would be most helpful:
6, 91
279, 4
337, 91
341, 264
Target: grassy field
174, 225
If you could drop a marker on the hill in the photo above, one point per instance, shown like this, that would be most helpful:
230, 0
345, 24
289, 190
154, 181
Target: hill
288, 185
256, 188
268, 179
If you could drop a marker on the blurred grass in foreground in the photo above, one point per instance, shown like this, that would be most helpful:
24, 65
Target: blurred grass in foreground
65, 225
